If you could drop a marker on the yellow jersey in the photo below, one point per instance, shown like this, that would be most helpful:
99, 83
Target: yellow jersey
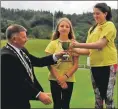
107, 55
61, 66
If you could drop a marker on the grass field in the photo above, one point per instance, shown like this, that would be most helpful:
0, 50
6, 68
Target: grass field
82, 97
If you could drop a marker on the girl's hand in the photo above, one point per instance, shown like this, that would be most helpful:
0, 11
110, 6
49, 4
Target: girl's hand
74, 44
61, 79
64, 85
73, 52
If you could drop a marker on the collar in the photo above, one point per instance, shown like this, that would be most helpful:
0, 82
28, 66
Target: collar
17, 49
68, 40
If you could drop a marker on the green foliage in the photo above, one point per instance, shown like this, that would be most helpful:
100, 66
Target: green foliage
39, 24
42, 31
2, 35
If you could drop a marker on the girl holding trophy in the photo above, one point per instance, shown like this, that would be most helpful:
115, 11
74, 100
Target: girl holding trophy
61, 75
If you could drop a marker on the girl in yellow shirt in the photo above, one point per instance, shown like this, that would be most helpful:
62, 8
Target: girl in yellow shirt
61, 75
103, 55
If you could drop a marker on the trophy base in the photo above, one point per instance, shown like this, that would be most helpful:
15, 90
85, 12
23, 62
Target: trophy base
65, 58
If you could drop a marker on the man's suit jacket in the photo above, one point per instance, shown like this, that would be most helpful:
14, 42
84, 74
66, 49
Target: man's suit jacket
17, 87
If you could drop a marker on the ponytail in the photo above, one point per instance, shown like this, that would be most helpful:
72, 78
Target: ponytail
104, 8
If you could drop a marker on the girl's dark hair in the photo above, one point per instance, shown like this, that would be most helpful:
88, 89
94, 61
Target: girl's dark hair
104, 8
93, 28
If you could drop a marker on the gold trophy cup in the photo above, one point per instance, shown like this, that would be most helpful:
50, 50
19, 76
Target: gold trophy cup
65, 46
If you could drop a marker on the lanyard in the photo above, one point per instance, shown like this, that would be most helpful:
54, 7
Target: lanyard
23, 61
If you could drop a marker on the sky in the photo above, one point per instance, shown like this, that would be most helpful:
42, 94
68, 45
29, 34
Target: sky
67, 7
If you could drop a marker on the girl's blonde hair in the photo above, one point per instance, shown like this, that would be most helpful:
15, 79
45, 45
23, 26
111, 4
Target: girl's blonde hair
56, 34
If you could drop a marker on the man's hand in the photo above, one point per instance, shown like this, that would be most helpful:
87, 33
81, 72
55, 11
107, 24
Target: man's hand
44, 98
60, 54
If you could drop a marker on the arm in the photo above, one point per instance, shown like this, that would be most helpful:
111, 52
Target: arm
55, 73
44, 61
40, 62
101, 43
74, 68
80, 51
52, 69
70, 71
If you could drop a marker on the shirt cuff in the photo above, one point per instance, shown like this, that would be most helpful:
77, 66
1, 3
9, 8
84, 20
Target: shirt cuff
38, 94
55, 58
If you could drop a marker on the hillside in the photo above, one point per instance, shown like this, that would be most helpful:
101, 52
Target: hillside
40, 23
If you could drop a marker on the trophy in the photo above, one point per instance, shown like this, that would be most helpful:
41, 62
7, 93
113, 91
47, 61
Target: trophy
65, 46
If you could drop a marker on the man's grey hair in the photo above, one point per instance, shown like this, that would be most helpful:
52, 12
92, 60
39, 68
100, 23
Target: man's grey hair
13, 29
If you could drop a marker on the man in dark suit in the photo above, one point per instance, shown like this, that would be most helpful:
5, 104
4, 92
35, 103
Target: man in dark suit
19, 84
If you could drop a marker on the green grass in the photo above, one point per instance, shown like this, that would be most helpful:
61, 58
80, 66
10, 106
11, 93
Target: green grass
83, 95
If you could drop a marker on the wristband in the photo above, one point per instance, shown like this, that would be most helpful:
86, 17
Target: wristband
66, 75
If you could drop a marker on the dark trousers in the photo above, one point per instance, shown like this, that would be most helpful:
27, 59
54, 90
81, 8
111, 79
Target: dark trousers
103, 81
14, 104
61, 97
